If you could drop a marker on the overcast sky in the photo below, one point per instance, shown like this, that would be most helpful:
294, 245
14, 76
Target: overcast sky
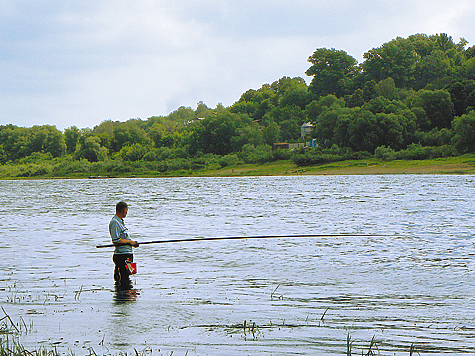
79, 63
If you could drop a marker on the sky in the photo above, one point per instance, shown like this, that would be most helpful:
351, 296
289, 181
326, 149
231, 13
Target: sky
78, 63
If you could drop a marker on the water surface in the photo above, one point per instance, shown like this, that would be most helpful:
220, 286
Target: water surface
410, 283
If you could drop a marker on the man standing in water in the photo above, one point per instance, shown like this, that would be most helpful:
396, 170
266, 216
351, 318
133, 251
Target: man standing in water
123, 245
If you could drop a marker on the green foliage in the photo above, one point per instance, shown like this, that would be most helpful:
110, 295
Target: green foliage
271, 133
71, 136
438, 108
229, 160
332, 71
416, 61
256, 154
127, 134
215, 134
464, 129
385, 153
133, 153
90, 149
315, 156
416, 151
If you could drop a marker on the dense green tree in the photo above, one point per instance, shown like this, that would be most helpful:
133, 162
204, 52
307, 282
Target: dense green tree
396, 59
156, 134
356, 99
438, 107
464, 129
432, 67
13, 140
54, 142
271, 133
214, 134
90, 148
71, 137
298, 96
106, 126
128, 133
133, 153
333, 72
317, 107
202, 110
284, 84
248, 134
328, 130
458, 96
369, 90
363, 132
387, 88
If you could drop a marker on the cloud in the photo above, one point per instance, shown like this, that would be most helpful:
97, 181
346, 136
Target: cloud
79, 63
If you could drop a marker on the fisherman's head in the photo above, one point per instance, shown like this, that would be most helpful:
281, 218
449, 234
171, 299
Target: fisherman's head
121, 209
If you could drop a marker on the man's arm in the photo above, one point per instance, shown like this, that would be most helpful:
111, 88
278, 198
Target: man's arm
126, 242
115, 231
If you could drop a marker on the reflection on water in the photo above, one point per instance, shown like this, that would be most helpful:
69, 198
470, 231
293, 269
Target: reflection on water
411, 283
125, 295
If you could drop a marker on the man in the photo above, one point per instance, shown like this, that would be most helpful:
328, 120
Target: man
123, 245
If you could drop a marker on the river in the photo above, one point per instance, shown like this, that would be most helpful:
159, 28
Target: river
409, 284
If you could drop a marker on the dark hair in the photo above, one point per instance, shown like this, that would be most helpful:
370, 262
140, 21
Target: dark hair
121, 206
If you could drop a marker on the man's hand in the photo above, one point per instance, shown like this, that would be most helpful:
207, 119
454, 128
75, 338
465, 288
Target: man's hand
134, 243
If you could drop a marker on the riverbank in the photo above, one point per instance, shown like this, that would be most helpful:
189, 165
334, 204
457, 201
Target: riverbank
99, 170
454, 165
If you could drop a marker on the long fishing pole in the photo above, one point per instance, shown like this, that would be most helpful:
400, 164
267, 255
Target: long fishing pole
196, 239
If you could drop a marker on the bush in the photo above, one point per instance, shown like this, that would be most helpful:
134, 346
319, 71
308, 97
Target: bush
133, 153
177, 164
385, 153
281, 154
259, 154
229, 160
69, 166
464, 128
418, 152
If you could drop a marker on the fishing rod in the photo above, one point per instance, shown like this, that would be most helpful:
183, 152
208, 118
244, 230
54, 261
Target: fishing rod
196, 239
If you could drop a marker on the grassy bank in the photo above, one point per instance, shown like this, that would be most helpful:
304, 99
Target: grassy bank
451, 165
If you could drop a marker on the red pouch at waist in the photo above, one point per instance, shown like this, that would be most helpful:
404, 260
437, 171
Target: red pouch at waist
131, 267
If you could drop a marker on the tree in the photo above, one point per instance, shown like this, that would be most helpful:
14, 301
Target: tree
298, 96
214, 134
156, 134
464, 129
432, 67
249, 134
55, 142
71, 137
202, 110
369, 90
356, 99
332, 71
317, 107
363, 131
91, 149
396, 59
127, 133
387, 89
133, 153
437, 106
271, 133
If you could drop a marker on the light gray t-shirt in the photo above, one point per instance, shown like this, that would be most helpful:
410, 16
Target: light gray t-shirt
118, 231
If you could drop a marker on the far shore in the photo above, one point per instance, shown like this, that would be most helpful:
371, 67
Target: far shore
453, 165
456, 165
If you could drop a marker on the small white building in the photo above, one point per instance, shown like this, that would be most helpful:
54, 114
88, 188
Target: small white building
306, 129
